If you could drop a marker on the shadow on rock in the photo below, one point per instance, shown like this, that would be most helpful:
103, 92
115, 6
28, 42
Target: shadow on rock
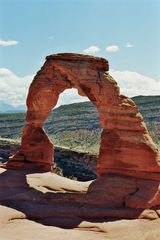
38, 197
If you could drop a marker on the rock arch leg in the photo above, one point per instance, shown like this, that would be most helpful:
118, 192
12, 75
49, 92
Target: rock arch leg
126, 146
37, 151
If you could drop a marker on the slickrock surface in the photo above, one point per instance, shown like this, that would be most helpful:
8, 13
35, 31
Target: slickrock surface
44, 206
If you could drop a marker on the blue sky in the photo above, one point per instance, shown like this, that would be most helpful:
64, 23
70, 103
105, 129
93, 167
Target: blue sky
126, 32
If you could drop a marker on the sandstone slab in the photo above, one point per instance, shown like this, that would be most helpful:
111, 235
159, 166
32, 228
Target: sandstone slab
30, 208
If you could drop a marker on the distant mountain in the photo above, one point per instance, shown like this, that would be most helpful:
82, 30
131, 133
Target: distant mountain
76, 126
7, 108
149, 107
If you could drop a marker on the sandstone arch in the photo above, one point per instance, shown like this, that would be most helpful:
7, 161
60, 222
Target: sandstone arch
126, 146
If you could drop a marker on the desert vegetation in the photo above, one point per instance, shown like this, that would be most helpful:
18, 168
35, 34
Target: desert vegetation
76, 126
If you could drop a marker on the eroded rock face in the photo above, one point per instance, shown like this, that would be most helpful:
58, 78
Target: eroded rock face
125, 143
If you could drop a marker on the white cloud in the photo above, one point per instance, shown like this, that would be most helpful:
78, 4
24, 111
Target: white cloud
129, 45
70, 96
112, 48
13, 88
91, 49
8, 43
133, 83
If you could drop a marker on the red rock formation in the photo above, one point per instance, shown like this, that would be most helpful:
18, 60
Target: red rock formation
125, 143
126, 147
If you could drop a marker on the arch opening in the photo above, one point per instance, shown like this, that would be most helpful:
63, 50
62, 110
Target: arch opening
74, 129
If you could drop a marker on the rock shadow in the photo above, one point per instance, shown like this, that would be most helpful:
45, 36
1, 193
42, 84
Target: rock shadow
104, 200
58, 209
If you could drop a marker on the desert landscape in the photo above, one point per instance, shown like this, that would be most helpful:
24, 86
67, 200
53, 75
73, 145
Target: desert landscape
79, 120
119, 187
